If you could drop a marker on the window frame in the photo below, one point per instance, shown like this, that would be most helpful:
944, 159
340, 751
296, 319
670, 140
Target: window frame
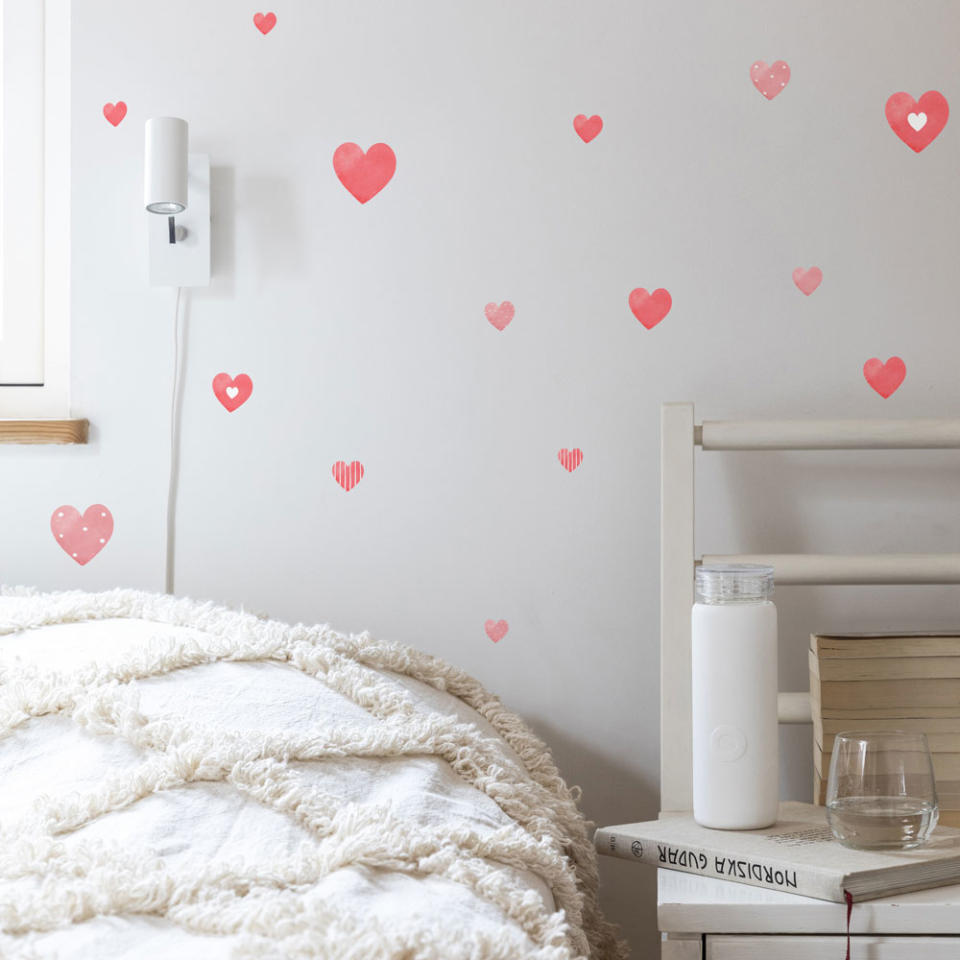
51, 398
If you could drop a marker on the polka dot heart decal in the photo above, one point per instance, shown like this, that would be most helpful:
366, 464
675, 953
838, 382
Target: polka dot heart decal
917, 122
885, 378
770, 80
587, 127
232, 392
364, 174
264, 22
570, 459
348, 475
82, 537
115, 112
807, 280
499, 314
496, 629
650, 308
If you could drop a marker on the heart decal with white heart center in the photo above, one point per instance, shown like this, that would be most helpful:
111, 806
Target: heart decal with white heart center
232, 392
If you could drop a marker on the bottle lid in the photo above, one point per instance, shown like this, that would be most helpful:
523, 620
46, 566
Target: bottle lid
734, 583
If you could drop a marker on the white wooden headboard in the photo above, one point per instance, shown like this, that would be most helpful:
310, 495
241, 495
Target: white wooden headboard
679, 438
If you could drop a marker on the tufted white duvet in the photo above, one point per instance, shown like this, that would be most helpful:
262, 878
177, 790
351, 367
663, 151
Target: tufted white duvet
180, 780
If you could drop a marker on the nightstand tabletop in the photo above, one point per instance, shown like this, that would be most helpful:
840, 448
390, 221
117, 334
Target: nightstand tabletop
706, 905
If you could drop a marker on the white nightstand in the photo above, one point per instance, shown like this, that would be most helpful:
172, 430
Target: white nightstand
705, 919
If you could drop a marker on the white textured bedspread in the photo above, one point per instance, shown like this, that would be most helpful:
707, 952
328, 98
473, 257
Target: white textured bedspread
179, 780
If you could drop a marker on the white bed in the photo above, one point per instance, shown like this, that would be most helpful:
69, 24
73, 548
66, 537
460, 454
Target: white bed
182, 780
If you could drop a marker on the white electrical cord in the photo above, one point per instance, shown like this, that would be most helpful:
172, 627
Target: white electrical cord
170, 552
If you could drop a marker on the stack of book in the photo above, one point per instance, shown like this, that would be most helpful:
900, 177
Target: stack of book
903, 681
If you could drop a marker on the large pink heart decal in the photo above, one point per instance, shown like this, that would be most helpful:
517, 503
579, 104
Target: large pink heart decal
770, 80
364, 174
348, 475
265, 22
807, 280
499, 314
115, 112
496, 629
885, 378
917, 122
587, 127
570, 459
82, 537
232, 392
650, 308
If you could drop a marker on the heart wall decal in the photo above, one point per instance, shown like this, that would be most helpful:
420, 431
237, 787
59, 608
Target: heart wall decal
115, 112
496, 629
650, 308
587, 127
264, 22
917, 122
364, 174
885, 378
807, 280
499, 314
570, 459
82, 536
232, 392
348, 475
770, 80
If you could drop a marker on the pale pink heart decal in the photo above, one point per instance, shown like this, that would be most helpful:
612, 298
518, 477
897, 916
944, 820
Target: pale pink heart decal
650, 308
265, 22
232, 392
499, 314
364, 174
917, 122
570, 459
885, 378
496, 629
770, 80
348, 475
807, 280
115, 112
82, 537
587, 127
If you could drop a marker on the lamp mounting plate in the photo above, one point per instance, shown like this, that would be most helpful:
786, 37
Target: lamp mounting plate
185, 263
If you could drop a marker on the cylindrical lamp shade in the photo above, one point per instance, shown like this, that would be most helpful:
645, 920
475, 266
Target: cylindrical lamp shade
165, 168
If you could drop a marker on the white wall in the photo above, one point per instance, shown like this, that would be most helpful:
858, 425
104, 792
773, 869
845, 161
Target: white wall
363, 330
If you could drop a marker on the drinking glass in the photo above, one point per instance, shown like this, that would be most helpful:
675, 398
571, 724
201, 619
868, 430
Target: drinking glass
881, 792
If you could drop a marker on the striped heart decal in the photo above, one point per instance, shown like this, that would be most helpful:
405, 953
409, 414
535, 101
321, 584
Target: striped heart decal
570, 459
348, 475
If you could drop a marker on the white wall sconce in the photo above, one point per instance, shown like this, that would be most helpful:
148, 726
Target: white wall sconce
177, 195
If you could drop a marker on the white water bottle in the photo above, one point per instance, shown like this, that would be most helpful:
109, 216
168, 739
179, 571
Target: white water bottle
735, 732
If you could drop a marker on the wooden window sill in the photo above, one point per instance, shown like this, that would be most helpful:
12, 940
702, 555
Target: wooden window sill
44, 431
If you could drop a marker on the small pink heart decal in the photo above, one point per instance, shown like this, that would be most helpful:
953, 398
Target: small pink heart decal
496, 629
364, 174
650, 308
82, 537
115, 112
232, 392
571, 459
265, 22
807, 280
885, 378
499, 315
348, 475
917, 122
587, 127
770, 80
